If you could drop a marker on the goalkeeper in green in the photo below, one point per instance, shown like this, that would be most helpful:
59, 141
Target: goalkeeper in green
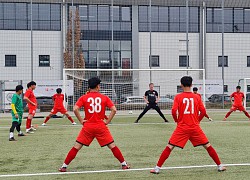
16, 112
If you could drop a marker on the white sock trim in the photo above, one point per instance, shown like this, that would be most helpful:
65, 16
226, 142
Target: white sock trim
11, 134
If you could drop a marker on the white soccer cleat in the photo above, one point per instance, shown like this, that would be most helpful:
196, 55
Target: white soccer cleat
210, 119
74, 123
29, 131
43, 124
221, 168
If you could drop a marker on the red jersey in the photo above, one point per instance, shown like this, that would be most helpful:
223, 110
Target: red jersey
238, 97
94, 105
188, 106
58, 100
31, 96
198, 94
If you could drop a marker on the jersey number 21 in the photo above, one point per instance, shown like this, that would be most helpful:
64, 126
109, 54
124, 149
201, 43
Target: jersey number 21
189, 102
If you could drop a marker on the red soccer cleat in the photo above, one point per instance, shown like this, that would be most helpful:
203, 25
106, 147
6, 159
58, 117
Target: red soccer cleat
124, 167
62, 169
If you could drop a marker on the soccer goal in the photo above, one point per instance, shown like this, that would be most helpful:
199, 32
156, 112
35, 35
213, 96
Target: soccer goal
126, 87
245, 84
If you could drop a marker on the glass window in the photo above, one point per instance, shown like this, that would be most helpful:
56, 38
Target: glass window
174, 14
143, 27
21, 11
225, 88
92, 13
238, 15
194, 14
246, 27
209, 15
35, 25
104, 26
92, 45
1, 10
9, 24
193, 27
44, 12
183, 61
103, 13
248, 61
183, 27
92, 59
84, 25
83, 12
1, 24
126, 45
84, 44
125, 14
155, 14
209, 27
116, 13
34, 11
55, 25
238, 28
104, 60
163, 14
174, 27
228, 15
220, 61
126, 26
154, 27
10, 60
228, 27
55, 12
9, 10
217, 28
155, 62
183, 14
116, 45
117, 26
247, 15
217, 15
44, 25
163, 27
103, 45
92, 25
44, 60
248, 88
143, 14
21, 24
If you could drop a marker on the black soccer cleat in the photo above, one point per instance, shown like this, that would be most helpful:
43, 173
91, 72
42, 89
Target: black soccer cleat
12, 139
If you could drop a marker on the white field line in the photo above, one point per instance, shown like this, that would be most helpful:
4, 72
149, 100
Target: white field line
120, 170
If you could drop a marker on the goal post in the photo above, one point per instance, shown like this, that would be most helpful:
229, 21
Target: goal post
126, 87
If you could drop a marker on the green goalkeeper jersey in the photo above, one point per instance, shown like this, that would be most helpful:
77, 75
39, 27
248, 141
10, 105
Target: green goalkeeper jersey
17, 101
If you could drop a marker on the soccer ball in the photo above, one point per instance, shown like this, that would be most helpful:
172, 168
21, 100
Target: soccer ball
130, 112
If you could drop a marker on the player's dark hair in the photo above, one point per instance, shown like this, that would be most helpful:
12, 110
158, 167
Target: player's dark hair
186, 81
238, 87
195, 89
19, 87
151, 84
58, 90
93, 82
31, 83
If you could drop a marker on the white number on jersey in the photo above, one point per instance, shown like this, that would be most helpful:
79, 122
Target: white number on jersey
188, 102
95, 104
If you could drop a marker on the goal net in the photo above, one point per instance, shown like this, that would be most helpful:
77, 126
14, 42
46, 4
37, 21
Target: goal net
126, 87
245, 87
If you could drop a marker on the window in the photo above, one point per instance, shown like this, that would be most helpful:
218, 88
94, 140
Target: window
179, 89
44, 60
125, 14
248, 61
220, 61
10, 60
155, 62
183, 61
248, 88
225, 88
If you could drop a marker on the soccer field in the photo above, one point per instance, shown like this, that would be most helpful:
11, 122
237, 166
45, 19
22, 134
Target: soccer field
141, 145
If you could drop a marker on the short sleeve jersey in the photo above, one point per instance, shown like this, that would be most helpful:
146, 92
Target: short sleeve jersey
58, 100
188, 106
17, 101
151, 96
94, 105
238, 96
198, 95
30, 94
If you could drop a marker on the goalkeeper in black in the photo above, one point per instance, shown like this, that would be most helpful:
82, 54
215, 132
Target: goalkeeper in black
151, 98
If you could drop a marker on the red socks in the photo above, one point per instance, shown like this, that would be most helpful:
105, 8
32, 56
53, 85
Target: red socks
71, 155
28, 123
213, 154
228, 114
246, 113
164, 155
70, 118
117, 153
47, 119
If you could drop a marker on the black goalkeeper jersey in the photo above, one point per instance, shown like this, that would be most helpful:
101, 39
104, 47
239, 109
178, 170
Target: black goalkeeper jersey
151, 96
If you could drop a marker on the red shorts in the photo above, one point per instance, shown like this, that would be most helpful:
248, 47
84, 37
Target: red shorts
55, 110
240, 108
181, 135
98, 131
32, 110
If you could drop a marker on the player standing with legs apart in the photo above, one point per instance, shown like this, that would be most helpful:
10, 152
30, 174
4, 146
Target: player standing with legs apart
151, 98
237, 103
188, 127
58, 107
30, 98
16, 112
94, 104
195, 91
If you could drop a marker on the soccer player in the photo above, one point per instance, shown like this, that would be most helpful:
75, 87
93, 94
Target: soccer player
30, 98
16, 112
237, 103
58, 99
94, 104
188, 127
195, 91
151, 98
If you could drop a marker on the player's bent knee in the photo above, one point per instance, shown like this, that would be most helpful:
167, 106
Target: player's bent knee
78, 146
111, 146
171, 147
206, 145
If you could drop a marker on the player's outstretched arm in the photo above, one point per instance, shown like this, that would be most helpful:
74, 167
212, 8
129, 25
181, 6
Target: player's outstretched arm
78, 116
111, 115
